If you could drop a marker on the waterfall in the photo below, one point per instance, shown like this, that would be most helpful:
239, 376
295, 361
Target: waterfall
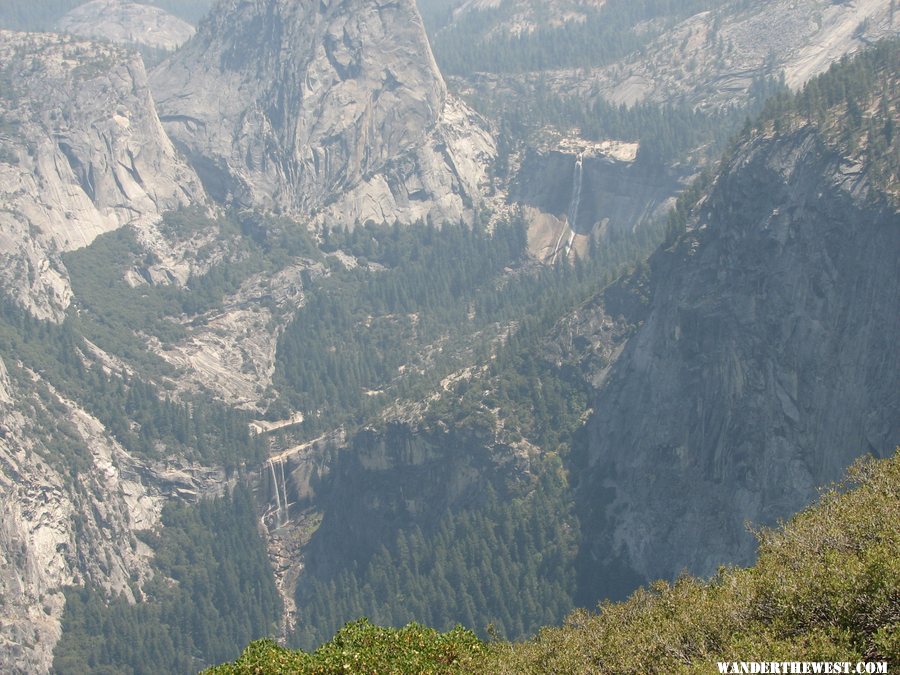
284, 491
275, 485
572, 215
576, 193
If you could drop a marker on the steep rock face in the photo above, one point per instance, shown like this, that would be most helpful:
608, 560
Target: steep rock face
126, 22
366, 486
337, 499
335, 106
73, 523
714, 56
615, 195
230, 351
766, 363
82, 152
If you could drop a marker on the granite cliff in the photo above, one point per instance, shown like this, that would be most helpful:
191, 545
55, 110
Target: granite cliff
335, 110
763, 365
82, 152
704, 53
745, 366
68, 521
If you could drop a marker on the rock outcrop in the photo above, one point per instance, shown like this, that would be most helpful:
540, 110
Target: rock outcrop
615, 194
82, 152
72, 523
519, 17
334, 110
709, 60
713, 57
126, 23
765, 364
230, 351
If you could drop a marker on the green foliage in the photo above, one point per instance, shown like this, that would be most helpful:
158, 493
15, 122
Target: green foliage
361, 647
508, 564
666, 131
213, 590
411, 576
358, 327
615, 31
676, 223
114, 314
826, 587
428, 302
531, 398
133, 410
435, 13
119, 310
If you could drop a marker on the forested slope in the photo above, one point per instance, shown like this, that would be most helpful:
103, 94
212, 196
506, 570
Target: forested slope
766, 355
826, 587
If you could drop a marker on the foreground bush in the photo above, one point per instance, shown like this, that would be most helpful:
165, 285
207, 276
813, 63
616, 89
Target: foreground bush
361, 647
826, 587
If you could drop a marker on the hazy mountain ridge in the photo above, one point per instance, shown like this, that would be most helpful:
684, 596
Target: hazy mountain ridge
126, 22
42, 16
236, 284
677, 79
711, 58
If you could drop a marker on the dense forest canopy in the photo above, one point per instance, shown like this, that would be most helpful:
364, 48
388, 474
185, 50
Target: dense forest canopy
423, 286
823, 589
606, 34
212, 591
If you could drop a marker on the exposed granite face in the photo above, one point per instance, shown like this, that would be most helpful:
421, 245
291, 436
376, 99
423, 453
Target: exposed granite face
126, 22
230, 351
60, 526
709, 60
712, 57
524, 17
766, 364
616, 197
82, 152
331, 108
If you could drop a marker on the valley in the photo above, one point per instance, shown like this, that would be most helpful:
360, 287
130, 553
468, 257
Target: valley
452, 313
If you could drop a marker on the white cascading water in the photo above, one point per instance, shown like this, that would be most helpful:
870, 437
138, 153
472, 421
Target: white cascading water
576, 191
277, 495
573, 209
284, 490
